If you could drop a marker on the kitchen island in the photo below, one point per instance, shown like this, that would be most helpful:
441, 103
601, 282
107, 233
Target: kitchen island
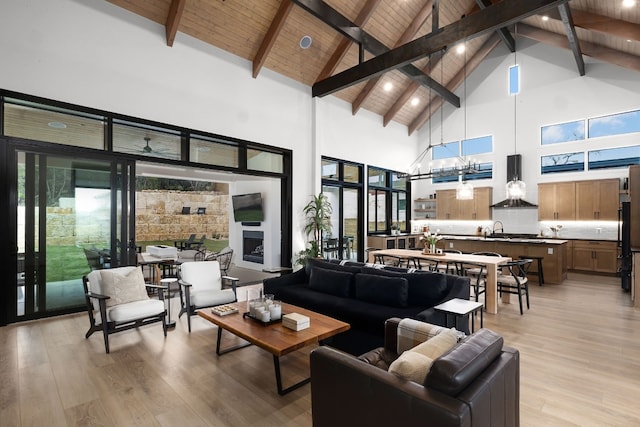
552, 251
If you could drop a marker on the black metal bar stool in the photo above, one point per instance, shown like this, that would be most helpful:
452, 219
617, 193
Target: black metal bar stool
539, 272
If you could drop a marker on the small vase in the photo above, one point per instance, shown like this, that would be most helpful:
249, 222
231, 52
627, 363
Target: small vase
432, 249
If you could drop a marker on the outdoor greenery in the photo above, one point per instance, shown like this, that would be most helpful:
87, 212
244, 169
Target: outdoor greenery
69, 262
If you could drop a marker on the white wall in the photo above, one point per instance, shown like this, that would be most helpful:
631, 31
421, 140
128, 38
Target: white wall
95, 54
552, 91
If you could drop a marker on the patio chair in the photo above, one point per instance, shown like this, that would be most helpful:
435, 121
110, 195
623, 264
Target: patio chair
202, 285
224, 257
117, 300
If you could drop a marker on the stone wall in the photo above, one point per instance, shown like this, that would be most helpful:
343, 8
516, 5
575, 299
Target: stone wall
159, 215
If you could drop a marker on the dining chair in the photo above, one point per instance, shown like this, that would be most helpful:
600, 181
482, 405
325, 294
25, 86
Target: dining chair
514, 279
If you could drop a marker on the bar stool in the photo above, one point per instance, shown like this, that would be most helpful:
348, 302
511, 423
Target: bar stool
539, 272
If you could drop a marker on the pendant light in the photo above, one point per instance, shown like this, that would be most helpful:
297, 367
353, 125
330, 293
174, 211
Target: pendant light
516, 189
464, 190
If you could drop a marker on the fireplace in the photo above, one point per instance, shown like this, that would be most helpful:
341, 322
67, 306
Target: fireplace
253, 246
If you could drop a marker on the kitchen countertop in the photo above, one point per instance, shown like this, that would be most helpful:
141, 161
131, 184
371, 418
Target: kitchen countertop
507, 239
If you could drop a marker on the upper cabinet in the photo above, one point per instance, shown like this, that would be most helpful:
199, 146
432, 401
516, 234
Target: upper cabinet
477, 209
579, 200
597, 200
556, 201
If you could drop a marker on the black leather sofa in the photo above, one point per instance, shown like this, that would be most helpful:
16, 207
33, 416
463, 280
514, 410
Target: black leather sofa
475, 384
365, 297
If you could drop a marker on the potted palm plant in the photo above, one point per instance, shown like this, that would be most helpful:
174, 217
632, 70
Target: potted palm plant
317, 214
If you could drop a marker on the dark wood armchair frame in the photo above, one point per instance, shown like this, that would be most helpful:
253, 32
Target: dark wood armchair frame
109, 328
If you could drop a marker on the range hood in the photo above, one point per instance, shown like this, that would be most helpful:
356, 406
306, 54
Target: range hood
514, 171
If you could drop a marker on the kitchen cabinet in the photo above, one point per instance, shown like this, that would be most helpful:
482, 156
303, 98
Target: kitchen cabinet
479, 208
595, 256
557, 201
634, 196
394, 241
597, 200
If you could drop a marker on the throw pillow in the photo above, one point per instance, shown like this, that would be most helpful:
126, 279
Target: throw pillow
425, 288
389, 291
412, 332
414, 364
123, 288
334, 282
411, 366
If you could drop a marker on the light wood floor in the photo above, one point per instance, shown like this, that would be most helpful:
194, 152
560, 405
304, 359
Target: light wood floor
580, 366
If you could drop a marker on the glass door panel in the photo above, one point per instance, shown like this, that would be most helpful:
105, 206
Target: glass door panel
331, 243
350, 223
67, 217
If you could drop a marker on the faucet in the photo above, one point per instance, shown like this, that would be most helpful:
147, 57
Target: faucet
495, 227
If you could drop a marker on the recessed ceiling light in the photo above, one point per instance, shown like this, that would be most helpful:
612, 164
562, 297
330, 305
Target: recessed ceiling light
461, 48
628, 3
305, 42
415, 101
57, 125
388, 86
545, 18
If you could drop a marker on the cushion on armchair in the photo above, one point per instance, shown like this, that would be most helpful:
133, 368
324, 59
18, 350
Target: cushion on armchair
411, 332
123, 286
414, 364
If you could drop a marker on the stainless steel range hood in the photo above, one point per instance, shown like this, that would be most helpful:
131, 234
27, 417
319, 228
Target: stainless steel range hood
514, 171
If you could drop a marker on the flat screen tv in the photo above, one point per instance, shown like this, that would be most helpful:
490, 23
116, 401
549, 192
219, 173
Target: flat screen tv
247, 207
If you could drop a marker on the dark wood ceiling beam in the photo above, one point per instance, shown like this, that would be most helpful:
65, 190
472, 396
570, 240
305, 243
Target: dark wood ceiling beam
331, 17
270, 37
173, 20
602, 53
343, 47
496, 16
572, 37
456, 81
602, 24
407, 36
503, 33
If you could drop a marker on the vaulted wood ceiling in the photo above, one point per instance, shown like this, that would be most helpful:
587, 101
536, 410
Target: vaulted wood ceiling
375, 42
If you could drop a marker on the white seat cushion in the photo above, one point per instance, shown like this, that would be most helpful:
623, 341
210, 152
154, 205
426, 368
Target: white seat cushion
510, 281
135, 310
209, 298
202, 275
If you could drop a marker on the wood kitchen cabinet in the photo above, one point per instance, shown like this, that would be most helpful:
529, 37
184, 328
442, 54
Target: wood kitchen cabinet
557, 201
595, 256
597, 200
477, 209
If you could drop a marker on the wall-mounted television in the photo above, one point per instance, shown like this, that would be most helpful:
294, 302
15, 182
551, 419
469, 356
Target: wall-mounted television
247, 207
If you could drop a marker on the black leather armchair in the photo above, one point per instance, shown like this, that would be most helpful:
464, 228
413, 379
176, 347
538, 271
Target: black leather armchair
477, 383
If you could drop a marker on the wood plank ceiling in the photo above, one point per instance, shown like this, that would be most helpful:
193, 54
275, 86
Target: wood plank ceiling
346, 34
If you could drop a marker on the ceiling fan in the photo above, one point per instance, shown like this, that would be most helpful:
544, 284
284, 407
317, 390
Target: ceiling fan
147, 148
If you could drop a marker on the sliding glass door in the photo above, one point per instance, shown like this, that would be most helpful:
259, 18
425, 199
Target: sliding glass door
69, 221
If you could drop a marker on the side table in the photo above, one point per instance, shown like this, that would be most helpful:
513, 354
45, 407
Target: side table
460, 308
168, 281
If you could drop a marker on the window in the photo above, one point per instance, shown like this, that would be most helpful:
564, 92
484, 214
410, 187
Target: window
615, 124
563, 132
146, 140
567, 162
446, 151
378, 211
614, 157
40, 122
212, 151
480, 145
330, 169
514, 80
265, 161
387, 204
377, 177
485, 171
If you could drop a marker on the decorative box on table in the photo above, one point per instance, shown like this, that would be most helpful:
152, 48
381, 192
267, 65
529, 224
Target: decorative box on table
295, 321
162, 251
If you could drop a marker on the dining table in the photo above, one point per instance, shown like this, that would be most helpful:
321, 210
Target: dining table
491, 263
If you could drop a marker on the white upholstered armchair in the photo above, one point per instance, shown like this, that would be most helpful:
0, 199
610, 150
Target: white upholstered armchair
117, 300
203, 285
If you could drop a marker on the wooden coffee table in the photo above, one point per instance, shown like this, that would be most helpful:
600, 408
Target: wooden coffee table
275, 338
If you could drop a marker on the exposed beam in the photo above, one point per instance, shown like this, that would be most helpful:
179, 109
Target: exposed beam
456, 81
602, 24
503, 33
490, 19
602, 53
173, 20
340, 23
572, 37
408, 35
271, 36
343, 47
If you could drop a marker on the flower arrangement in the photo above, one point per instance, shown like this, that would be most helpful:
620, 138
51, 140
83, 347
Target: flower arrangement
431, 238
